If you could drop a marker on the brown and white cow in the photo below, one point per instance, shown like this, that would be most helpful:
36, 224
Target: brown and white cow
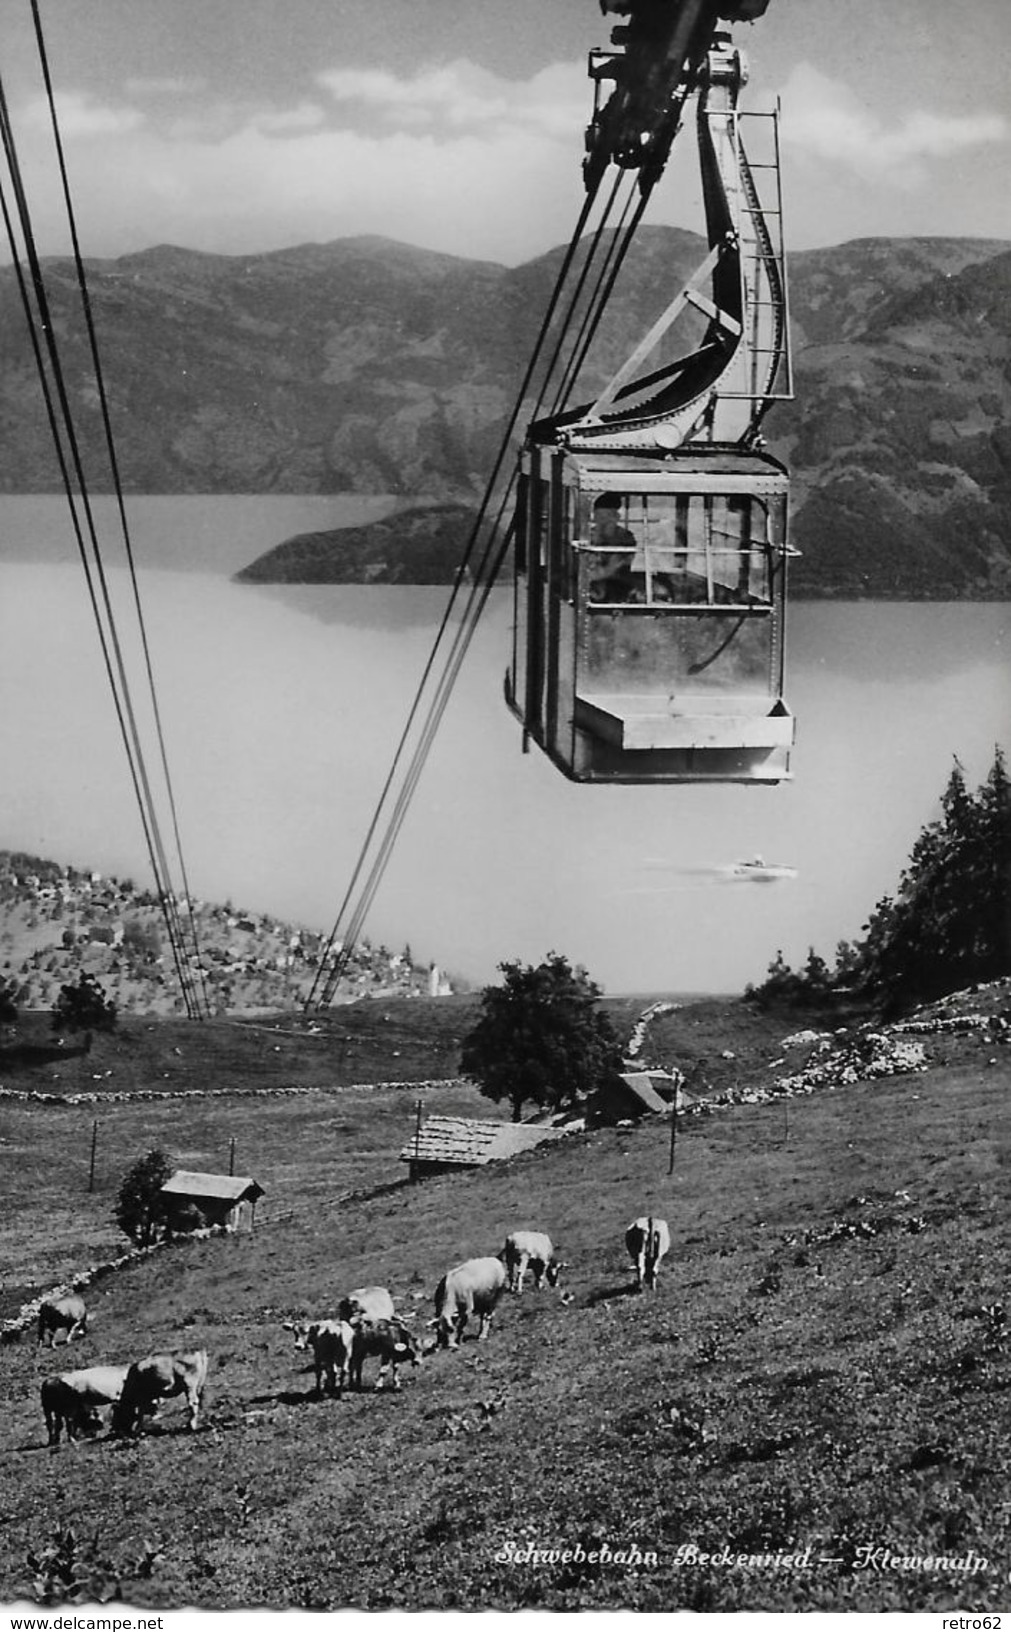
472, 1288
530, 1249
648, 1241
160, 1377
390, 1340
75, 1399
64, 1314
330, 1342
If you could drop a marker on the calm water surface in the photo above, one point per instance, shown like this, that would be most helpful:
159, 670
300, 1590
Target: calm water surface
282, 709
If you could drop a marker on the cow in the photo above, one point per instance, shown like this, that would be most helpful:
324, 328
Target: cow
390, 1340
530, 1248
67, 1314
75, 1399
330, 1342
366, 1302
159, 1377
647, 1240
472, 1288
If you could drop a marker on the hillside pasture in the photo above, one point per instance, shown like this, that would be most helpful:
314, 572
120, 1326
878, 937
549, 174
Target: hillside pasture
305, 1149
825, 1365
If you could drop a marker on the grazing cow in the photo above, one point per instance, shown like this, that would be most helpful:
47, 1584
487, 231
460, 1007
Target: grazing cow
530, 1248
390, 1340
75, 1399
330, 1342
159, 1377
472, 1288
366, 1303
647, 1240
62, 1315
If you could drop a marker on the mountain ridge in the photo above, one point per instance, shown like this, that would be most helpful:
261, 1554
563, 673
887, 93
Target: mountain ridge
367, 365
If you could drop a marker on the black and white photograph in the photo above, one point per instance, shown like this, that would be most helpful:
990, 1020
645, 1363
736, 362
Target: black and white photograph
505, 816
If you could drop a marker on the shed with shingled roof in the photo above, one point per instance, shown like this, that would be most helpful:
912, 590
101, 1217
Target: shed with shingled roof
198, 1200
443, 1144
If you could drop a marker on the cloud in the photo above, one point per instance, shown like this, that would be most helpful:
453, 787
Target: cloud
179, 86
453, 159
81, 116
824, 120
460, 98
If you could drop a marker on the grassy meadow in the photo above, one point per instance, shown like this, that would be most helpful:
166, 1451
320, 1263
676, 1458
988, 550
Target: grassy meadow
823, 1370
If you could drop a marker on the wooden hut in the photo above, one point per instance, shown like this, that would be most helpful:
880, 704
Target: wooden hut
445, 1143
197, 1200
626, 1096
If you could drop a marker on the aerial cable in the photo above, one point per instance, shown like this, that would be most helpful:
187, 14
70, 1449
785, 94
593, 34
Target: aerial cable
618, 250
328, 981
107, 632
121, 507
120, 691
496, 546
482, 583
593, 305
75, 520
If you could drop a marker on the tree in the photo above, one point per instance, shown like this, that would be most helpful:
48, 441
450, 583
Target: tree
948, 925
540, 1037
140, 1206
9, 994
83, 1007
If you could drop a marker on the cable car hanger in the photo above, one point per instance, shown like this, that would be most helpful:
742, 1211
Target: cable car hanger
650, 557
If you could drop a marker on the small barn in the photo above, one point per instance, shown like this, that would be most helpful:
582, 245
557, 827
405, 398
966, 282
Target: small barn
197, 1200
444, 1144
625, 1097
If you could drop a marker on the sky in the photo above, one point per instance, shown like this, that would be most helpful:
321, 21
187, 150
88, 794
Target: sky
240, 126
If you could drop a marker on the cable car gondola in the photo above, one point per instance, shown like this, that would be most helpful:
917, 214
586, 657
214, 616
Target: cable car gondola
650, 536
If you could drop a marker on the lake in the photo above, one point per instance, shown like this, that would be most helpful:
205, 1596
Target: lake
282, 709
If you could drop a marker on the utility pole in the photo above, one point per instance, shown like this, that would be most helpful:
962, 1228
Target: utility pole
418, 1108
94, 1144
673, 1129
231, 1157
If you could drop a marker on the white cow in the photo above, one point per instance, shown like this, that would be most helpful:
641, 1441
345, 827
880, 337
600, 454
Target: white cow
472, 1288
530, 1249
647, 1240
159, 1377
75, 1399
366, 1303
67, 1314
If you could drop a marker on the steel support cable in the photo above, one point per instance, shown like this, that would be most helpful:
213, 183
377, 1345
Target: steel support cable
483, 583
481, 588
121, 508
111, 650
464, 635
617, 252
321, 978
591, 309
612, 265
75, 520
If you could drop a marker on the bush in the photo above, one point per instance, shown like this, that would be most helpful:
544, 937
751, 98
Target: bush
141, 1211
83, 1007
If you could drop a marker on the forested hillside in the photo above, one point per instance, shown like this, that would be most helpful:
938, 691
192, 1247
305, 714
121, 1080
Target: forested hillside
368, 366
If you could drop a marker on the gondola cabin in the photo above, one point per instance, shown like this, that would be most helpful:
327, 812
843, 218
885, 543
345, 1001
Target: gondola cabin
650, 595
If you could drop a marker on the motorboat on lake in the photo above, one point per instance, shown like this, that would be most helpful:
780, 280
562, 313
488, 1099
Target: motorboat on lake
761, 871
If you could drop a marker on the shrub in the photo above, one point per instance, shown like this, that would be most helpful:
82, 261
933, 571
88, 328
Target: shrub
141, 1211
